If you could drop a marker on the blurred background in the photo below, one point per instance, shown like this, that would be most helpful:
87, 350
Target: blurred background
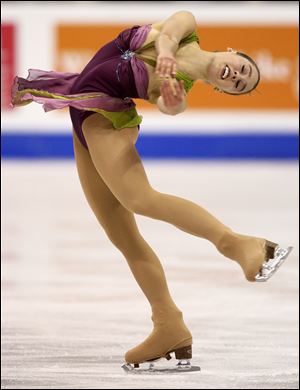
70, 307
63, 36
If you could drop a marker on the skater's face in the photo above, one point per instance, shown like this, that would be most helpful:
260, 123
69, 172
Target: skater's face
233, 73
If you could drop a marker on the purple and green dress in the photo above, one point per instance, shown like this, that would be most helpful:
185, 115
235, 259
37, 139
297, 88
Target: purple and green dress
114, 76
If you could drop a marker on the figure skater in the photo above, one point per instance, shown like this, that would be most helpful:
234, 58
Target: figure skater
159, 63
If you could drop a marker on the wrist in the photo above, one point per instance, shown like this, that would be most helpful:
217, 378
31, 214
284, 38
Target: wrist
166, 45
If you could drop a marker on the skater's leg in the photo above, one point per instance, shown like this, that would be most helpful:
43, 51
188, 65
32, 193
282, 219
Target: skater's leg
121, 228
118, 163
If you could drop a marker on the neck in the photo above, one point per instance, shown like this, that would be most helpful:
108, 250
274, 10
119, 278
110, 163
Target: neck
201, 61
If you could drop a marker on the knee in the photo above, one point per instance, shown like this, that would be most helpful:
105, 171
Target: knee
124, 238
117, 239
141, 202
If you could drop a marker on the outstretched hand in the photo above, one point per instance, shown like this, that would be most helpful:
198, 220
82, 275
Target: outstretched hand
172, 93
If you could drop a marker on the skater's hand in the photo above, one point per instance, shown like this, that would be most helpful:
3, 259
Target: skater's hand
173, 94
166, 65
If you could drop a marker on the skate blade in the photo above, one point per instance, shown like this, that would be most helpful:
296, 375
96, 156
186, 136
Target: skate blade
271, 266
180, 368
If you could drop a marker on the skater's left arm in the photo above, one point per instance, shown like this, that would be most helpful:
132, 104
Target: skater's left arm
176, 27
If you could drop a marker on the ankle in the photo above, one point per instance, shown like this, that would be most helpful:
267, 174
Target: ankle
164, 313
229, 245
169, 321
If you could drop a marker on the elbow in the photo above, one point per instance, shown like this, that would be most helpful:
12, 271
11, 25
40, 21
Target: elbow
188, 17
186, 13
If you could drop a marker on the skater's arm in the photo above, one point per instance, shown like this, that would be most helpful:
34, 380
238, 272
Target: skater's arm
176, 27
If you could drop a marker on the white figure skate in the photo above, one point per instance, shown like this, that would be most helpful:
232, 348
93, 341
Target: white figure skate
159, 366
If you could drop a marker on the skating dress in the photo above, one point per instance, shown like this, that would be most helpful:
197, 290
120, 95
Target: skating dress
108, 83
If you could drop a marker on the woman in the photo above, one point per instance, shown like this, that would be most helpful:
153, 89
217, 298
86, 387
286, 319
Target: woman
158, 63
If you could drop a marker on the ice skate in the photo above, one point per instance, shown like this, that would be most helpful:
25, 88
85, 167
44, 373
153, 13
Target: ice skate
258, 257
275, 256
170, 335
163, 365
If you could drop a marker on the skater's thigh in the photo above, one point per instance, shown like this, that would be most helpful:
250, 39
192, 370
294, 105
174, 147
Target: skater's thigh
117, 161
106, 207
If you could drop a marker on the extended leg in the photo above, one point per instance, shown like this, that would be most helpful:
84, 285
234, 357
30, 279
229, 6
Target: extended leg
118, 163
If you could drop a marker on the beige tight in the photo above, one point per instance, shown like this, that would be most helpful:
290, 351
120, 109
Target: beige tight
119, 165
116, 186
121, 228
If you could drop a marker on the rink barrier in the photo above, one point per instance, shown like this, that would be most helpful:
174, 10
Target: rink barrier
250, 146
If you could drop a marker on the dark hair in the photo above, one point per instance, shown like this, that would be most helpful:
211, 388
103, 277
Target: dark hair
258, 73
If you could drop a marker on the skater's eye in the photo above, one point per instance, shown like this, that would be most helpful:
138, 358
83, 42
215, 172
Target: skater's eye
240, 83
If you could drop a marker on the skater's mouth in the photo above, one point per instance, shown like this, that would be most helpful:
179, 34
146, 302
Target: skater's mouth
225, 72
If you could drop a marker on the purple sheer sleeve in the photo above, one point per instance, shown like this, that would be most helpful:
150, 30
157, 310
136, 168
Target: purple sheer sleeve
52, 90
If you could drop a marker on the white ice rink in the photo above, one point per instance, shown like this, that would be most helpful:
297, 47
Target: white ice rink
71, 308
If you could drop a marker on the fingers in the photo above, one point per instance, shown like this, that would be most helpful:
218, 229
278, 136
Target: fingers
172, 92
179, 87
173, 87
166, 95
176, 87
166, 66
173, 69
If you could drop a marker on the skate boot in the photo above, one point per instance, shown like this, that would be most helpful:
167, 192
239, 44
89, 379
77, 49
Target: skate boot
169, 335
259, 258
